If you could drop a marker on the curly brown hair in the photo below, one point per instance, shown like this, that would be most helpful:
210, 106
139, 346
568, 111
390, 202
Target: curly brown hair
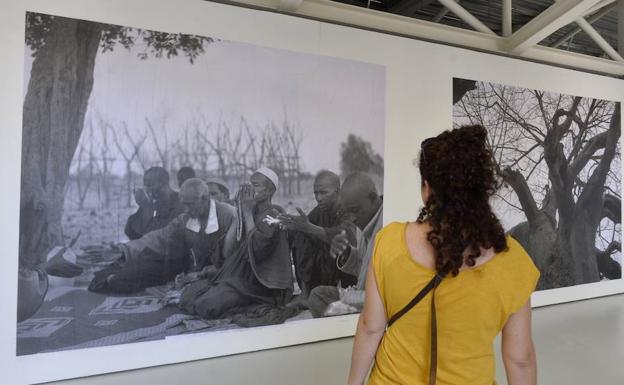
459, 169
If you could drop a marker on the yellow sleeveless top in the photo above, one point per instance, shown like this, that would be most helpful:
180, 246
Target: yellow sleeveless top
471, 310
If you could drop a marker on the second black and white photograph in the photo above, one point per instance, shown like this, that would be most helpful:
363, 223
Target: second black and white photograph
559, 159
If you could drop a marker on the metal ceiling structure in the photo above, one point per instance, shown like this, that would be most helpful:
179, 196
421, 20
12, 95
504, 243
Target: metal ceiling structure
581, 34
491, 12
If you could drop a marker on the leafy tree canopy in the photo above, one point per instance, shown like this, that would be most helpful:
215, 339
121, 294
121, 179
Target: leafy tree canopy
158, 44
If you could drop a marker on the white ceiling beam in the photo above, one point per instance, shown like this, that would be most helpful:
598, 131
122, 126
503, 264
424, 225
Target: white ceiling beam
466, 16
600, 5
591, 20
289, 5
598, 39
620, 26
443, 12
562, 13
349, 15
507, 28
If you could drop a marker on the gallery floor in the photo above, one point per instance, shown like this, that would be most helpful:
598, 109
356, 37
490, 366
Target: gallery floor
578, 343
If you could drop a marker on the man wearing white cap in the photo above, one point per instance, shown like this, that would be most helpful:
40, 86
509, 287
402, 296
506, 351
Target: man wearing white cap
259, 271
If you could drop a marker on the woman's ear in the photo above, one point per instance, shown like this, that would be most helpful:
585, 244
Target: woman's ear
425, 191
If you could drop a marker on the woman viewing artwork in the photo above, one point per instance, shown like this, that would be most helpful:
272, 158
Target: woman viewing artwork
441, 288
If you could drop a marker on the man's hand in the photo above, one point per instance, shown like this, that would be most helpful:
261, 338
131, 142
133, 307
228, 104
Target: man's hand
299, 302
141, 198
208, 272
245, 197
183, 279
339, 245
295, 222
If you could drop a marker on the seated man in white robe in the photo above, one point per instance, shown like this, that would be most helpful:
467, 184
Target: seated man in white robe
199, 239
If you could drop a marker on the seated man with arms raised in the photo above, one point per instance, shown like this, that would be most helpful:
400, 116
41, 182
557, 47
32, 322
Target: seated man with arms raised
259, 270
158, 204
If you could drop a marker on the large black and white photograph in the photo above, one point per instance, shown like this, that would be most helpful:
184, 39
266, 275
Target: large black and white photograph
559, 157
178, 184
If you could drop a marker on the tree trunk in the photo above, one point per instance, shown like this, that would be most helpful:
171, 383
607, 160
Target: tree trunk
539, 239
565, 252
589, 210
583, 247
53, 118
129, 192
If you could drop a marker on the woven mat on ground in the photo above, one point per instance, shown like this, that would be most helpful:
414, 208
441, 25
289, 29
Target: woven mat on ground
76, 318
79, 319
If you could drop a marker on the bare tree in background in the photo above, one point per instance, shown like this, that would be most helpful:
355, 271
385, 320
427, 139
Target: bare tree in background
83, 177
292, 137
84, 174
232, 150
129, 155
560, 155
228, 150
201, 150
163, 150
183, 150
106, 160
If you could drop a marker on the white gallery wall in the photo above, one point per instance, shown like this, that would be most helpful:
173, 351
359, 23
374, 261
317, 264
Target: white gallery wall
418, 105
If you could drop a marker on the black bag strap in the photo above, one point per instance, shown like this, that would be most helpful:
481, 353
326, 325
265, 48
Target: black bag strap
433, 358
435, 281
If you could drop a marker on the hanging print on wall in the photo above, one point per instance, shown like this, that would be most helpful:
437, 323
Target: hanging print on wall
559, 157
180, 184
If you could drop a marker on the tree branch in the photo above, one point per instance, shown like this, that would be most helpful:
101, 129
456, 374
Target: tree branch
583, 130
162, 152
520, 186
594, 144
612, 208
561, 129
558, 171
540, 100
596, 182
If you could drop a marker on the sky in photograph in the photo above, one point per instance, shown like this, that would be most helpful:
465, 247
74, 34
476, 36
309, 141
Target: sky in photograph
327, 98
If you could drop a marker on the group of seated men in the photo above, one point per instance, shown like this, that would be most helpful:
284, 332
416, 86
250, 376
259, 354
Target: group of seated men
230, 254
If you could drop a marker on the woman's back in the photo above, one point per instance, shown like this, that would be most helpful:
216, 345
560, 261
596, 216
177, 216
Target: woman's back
471, 310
